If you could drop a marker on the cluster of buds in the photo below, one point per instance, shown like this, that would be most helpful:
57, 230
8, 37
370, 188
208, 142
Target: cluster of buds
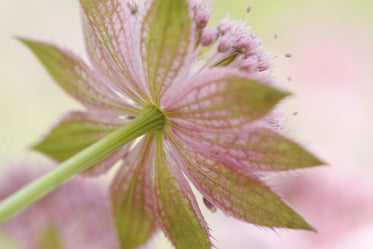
230, 44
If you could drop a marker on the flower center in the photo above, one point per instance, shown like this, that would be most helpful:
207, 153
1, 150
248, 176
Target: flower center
157, 117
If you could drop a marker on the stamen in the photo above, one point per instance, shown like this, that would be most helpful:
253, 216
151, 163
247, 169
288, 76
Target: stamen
249, 65
245, 46
286, 55
275, 36
247, 14
264, 65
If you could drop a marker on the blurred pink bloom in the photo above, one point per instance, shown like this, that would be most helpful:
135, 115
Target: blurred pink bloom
337, 201
76, 215
213, 88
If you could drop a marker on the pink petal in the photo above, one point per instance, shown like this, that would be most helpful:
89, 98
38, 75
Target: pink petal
112, 42
76, 78
76, 131
131, 196
221, 100
175, 205
167, 42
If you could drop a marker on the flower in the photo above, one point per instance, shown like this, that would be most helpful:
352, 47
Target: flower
61, 220
214, 88
339, 202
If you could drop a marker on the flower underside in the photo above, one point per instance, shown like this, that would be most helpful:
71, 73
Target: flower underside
215, 91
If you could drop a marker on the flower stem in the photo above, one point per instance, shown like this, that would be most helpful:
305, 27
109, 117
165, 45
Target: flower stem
150, 119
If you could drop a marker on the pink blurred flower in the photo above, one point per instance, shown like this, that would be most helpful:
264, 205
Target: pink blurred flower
339, 202
212, 87
76, 215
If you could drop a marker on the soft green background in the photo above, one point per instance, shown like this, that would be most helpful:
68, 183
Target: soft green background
332, 68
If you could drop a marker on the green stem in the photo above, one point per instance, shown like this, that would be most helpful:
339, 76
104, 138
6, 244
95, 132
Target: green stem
149, 120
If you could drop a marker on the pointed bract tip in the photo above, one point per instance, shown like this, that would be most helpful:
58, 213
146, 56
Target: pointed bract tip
24, 41
308, 227
298, 222
29, 43
319, 162
310, 160
282, 94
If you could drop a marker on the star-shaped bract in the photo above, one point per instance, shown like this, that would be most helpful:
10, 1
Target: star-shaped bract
214, 88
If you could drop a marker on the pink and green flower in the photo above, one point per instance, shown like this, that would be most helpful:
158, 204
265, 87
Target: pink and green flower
212, 88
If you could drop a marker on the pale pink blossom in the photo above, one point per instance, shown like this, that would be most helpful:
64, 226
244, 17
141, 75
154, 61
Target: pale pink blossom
339, 202
214, 90
76, 215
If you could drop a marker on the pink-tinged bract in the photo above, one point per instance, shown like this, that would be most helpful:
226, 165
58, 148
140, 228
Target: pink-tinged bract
215, 89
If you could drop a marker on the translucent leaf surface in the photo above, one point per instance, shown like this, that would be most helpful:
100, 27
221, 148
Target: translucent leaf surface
74, 76
110, 29
131, 196
176, 206
222, 99
76, 131
238, 193
166, 40
256, 149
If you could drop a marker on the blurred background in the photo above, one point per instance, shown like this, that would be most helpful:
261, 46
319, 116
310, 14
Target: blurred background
331, 112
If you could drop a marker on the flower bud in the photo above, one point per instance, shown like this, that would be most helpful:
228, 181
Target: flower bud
208, 36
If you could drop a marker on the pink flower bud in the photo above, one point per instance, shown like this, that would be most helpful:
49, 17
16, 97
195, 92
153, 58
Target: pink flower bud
225, 26
225, 44
202, 19
201, 11
245, 45
208, 36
